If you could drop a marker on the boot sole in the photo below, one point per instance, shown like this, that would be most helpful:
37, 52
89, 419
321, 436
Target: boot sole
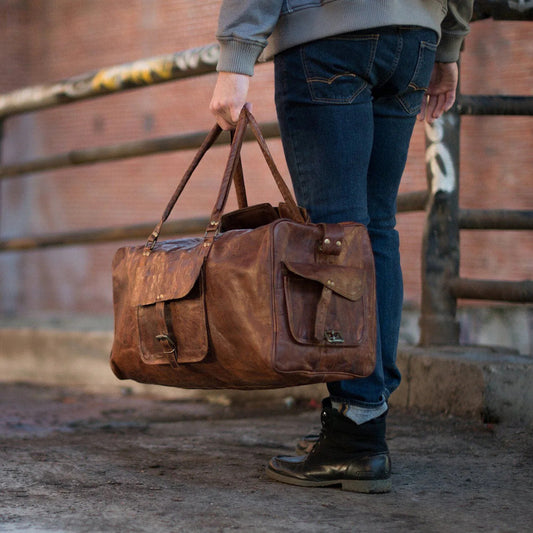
366, 486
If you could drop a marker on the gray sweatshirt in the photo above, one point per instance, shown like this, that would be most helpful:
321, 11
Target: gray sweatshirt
249, 28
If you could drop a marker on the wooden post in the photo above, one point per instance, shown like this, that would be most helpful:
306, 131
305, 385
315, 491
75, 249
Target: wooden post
440, 247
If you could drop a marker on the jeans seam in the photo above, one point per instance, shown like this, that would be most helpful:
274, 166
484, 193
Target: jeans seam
353, 37
409, 109
399, 48
423, 44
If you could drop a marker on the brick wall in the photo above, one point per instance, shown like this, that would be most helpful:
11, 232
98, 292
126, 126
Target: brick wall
43, 41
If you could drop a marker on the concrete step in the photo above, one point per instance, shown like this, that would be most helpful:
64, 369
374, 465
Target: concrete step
487, 382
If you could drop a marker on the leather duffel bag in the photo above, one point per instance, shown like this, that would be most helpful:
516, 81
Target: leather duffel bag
265, 299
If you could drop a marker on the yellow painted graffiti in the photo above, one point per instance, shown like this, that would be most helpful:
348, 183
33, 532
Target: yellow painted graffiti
148, 71
142, 72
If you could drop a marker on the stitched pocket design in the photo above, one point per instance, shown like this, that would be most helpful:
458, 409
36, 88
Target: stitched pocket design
337, 69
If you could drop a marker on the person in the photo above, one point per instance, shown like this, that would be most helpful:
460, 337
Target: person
351, 76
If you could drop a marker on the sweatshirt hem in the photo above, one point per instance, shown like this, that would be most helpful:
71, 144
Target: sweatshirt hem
349, 15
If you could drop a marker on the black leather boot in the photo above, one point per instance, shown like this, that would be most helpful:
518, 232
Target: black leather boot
354, 456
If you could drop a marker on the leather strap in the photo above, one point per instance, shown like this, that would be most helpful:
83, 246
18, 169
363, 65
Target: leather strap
329, 248
167, 344
282, 186
322, 313
208, 142
332, 239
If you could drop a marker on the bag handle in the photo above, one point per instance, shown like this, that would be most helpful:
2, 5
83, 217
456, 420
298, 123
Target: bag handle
238, 180
246, 119
233, 172
292, 206
212, 136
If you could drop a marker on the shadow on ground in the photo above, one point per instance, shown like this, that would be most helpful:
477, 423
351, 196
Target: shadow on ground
77, 462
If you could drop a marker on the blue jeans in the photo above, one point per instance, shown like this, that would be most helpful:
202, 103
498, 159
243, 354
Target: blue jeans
347, 106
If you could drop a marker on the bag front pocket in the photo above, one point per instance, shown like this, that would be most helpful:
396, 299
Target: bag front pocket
325, 304
174, 331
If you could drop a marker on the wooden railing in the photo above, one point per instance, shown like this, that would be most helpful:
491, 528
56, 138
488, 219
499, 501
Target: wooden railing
441, 286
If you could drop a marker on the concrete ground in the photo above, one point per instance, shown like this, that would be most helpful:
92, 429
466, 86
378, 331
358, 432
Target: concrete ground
74, 461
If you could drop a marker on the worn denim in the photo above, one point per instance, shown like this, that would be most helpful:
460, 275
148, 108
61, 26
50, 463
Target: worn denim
347, 106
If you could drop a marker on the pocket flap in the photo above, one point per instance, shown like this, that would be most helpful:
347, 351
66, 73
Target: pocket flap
168, 273
346, 281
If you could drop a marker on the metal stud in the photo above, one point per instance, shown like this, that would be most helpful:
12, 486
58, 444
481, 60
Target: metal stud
327, 241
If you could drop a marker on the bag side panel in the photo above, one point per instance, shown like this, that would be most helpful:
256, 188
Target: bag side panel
239, 305
125, 352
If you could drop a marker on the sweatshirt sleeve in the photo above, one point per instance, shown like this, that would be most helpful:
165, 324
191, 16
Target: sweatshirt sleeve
455, 27
243, 29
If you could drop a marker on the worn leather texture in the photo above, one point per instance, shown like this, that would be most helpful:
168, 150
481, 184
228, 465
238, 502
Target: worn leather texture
266, 301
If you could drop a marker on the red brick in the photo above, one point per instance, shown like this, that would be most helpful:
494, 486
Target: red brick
45, 41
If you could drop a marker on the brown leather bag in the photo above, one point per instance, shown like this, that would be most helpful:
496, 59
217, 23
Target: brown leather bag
264, 300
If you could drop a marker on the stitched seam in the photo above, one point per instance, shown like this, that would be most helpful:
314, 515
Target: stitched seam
329, 81
419, 64
399, 48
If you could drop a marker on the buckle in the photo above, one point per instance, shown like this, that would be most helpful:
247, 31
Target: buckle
172, 354
333, 337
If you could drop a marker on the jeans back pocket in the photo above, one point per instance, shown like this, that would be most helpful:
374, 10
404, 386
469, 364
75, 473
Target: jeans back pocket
337, 69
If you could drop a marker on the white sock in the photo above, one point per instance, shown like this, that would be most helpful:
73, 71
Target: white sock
358, 414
